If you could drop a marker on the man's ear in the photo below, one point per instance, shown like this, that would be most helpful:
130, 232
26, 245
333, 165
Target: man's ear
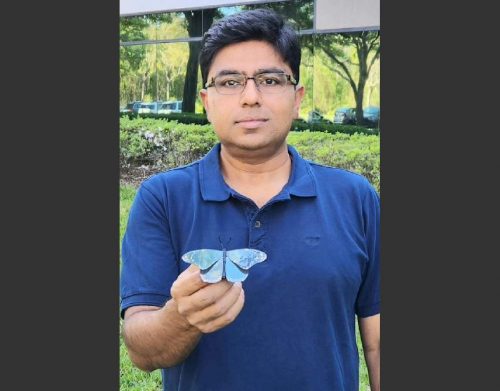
299, 95
204, 100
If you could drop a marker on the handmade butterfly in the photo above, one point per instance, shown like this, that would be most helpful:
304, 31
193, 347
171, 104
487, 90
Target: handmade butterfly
217, 264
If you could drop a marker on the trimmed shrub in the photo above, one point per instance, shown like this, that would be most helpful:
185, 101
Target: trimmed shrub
163, 144
301, 126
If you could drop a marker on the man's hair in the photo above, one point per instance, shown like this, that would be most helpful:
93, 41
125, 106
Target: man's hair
260, 25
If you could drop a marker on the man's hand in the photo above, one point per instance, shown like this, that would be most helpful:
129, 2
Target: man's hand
208, 307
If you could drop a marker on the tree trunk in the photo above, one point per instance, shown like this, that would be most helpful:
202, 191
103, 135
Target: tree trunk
194, 19
143, 85
363, 77
191, 79
167, 80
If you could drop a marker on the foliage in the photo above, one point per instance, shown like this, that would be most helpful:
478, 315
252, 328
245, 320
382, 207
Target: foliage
352, 56
163, 143
357, 152
166, 144
184, 118
300, 126
297, 125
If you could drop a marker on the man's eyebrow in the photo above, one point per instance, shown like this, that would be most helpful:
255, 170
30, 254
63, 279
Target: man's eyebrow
258, 71
227, 72
269, 70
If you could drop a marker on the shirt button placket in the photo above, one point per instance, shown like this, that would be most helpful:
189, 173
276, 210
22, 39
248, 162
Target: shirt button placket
257, 233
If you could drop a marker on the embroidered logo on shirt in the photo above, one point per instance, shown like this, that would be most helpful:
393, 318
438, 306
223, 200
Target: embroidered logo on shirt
312, 240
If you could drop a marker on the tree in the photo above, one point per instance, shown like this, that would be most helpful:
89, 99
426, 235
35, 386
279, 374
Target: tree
194, 19
367, 49
137, 66
131, 57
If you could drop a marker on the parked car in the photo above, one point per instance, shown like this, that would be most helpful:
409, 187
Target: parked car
345, 116
150, 107
131, 108
371, 115
315, 117
174, 106
146, 108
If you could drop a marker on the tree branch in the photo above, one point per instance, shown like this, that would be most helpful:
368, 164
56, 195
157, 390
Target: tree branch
375, 56
347, 76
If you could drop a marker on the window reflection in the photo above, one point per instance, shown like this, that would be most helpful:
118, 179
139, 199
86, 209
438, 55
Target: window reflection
346, 75
137, 73
299, 13
173, 26
306, 75
169, 72
138, 28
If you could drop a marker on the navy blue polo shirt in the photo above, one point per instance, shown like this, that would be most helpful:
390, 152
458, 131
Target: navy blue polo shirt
296, 330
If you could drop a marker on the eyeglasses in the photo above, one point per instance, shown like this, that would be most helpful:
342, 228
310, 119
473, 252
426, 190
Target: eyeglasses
266, 83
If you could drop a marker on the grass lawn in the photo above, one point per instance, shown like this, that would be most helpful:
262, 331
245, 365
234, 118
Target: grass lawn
133, 379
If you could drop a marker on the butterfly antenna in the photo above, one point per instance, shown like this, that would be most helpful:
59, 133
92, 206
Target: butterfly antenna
222, 246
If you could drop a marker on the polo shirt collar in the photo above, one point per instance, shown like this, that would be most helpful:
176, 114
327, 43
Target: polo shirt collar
214, 188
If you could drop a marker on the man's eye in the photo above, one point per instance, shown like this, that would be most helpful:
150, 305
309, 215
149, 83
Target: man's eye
270, 81
229, 83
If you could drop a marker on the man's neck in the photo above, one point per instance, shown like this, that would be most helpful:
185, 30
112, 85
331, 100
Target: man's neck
258, 178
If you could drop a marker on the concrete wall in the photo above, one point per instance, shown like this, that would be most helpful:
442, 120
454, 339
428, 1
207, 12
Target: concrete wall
347, 14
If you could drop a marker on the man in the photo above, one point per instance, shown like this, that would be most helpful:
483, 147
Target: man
291, 324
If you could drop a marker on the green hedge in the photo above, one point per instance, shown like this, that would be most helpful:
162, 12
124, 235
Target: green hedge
164, 144
297, 125
184, 118
300, 126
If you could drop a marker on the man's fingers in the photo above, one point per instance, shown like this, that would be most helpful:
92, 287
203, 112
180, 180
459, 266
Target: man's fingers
220, 307
209, 295
188, 282
228, 317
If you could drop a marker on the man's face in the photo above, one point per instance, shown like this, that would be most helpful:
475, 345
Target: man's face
251, 120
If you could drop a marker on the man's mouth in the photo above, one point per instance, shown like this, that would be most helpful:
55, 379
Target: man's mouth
251, 123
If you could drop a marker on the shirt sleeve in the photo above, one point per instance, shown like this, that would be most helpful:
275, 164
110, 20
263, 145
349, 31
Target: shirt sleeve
368, 300
149, 265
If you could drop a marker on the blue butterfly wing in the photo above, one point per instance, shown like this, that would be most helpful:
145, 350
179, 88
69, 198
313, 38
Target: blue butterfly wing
234, 273
213, 273
245, 258
203, 258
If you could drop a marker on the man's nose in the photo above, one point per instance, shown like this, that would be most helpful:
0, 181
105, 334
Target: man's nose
250, 95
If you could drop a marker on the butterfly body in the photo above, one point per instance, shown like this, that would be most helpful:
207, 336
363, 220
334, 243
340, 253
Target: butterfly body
232, 265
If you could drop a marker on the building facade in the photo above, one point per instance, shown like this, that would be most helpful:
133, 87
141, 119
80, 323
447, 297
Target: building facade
160, 40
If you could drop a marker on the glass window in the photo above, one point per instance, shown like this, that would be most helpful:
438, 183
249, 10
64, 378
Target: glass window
138, 28
179, 78
333, 82
176, 25
299, 13
307, 75
137, 73
172, 59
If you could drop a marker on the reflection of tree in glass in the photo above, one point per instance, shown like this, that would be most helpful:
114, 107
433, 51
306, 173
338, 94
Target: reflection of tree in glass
171, 65
194, 19
296, 12
171, 61
137, 62
366, 45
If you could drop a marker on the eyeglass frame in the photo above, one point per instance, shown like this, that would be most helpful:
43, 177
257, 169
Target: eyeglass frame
290, 79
